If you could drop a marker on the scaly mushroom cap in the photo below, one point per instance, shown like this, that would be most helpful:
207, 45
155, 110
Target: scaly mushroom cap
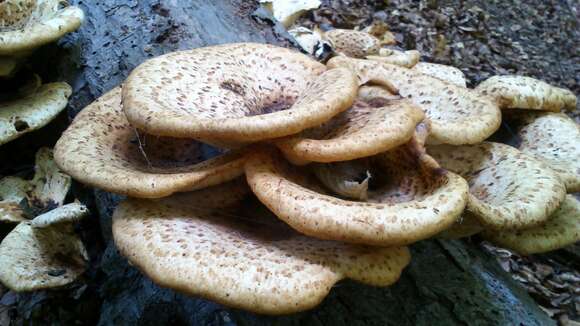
446, 73
20, 198
234, 94
34, 111
361, 131
220, 244
520, 92
100, 148
561, 230
370, 93
407, 59
508, 189
352, 43
45, 256
415, 199
28, 24
553, 138
466, 226
458, 115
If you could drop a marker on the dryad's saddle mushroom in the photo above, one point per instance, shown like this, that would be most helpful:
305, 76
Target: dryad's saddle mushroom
447, 73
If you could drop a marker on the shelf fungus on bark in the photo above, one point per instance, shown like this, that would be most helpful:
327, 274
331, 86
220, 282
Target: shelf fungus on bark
221, 244
100, 148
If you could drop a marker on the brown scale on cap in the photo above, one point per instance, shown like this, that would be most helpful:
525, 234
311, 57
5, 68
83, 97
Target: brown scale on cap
458, 115
361, 131
14, 14
508, 189
234, 94
102, 149
352, 43
410, 198
520, 92
220, 244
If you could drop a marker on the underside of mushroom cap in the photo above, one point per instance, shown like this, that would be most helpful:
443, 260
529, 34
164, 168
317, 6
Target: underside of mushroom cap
553, 138
466, 226
508, 189
458, 115
411, 198
235, 94
520, 92
100, 148
363, 130
407, 59
561, 230
234, 251
40, 22
352, 43
446, 73
34, 111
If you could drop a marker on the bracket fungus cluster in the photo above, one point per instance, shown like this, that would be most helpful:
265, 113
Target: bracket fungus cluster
345, 164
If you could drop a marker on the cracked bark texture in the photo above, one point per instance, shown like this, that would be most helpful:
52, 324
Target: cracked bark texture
447, 283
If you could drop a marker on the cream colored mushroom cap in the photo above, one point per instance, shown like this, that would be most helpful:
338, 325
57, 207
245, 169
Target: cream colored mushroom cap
234, 94
458, 115
407, 59
100, 148
32, 112
352, 43
520, 92
553, 138
446, 73
44, 24
561, 230
508, 189
210, 244
361, 131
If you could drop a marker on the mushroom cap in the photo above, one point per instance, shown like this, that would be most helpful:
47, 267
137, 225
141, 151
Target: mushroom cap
446, 73
508, 189
352, 43
36, 258
417, 201
235, 93
100, 148
361, 131
230, 249
553, 138
458, 115
563, 229
12, 191
33, 111
40, 22
466, 226
407, 59
368, 93
69, 213
520, 92
287, 12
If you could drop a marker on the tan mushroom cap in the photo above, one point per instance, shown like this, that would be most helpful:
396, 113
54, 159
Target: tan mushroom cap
508, 189
35, 258
370, 92
417, 200
235, 93
407, 59
37, 23
352, 43
231, 249
100, 148
520, 92
446, 73
458, 115
32, 112
466, 226
553, 138
47, 189
563, 229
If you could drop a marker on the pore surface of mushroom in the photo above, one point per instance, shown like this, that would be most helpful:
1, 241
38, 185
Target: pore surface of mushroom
221, 244
102, 149
520, 92
446, 73
363, 130
508, 189
458, 115
235, 94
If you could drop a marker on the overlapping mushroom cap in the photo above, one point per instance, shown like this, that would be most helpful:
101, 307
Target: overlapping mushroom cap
102, 149
28, 24
508, 189
520, 92
219, 244
234, 94
458, 115
407, 59
353, 43
411, 198
446, 73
